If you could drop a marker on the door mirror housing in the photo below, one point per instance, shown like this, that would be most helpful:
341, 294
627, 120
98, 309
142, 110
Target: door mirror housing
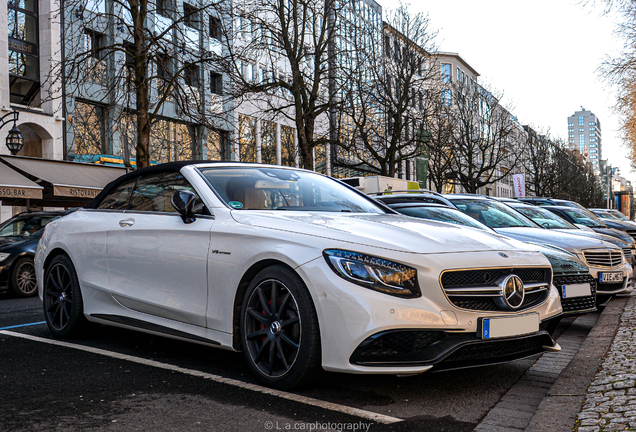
183, 203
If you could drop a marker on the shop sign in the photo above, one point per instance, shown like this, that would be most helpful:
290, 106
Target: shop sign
23, 47
75, 192
19, 193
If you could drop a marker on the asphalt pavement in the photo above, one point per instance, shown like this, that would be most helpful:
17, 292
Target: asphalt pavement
123, 380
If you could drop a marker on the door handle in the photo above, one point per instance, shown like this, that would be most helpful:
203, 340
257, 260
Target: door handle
126, 222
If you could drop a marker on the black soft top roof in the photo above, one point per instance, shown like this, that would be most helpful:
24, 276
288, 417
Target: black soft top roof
165, 167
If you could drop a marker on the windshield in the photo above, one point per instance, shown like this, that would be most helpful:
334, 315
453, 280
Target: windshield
618, 214
443, 215
25, 227
264, 188
604, 215
545, 218
493, 213
584, 217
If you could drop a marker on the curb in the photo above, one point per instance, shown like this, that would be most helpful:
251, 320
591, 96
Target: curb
558, 410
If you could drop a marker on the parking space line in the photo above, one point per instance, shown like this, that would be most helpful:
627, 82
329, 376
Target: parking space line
369, 415
23, 325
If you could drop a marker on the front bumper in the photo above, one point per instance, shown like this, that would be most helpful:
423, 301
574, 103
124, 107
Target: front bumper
350, 314
615, 287
576, 305
445, 350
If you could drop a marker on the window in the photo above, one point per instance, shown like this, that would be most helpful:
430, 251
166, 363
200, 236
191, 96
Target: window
581, 129
593, 157
571, 136
592, 128
191, 75
570, 124
190, 16
97, 6
215, 28
592, 145
446, 72
447, 97
593, 151
216, 83
581, 121
24, 62
592, 124
582, 140
88, 126
118, 198
593, 134
592, 139
154, 193
163, 8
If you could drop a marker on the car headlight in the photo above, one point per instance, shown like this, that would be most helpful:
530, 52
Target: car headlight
374, 273
4, 256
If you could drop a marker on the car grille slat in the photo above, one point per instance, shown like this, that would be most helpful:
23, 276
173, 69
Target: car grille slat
607, 258
486, 278
632, 233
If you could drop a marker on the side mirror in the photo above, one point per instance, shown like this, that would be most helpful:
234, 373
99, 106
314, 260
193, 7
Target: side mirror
183, 203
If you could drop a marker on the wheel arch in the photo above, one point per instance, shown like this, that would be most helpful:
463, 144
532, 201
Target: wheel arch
240, 295
52, 255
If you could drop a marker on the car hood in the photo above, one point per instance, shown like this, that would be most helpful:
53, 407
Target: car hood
11, 242
570, 242
597, 235
394, 232
614, 232
620, 225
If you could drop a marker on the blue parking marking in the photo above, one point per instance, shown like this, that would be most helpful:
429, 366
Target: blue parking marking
22, 325
485, 324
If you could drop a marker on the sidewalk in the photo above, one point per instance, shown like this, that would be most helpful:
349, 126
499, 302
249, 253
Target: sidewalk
550, 396
610, 403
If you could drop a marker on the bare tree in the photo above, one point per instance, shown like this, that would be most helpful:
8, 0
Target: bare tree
385, 95
281, 62
485, 138
141, 61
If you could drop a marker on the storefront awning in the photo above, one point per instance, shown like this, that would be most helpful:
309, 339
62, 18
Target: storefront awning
14, 185
61, 183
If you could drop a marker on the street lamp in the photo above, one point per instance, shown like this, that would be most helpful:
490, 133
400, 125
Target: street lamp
15, 142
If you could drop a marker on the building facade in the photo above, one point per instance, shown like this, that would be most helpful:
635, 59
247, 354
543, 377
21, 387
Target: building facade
27, 53
584, 135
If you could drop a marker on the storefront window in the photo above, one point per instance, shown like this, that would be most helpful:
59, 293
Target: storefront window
88, 125
247, 138
24, 65
218, 149
268, 142
288, 150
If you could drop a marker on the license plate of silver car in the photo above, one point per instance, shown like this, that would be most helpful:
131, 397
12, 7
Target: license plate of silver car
500, 327
611, 277
576, 290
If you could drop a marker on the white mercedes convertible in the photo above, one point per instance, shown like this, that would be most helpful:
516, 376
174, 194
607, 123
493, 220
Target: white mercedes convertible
296, 269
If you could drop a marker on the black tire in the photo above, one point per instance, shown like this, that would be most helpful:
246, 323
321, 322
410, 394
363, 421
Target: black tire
23, 283
63, 303
281, 345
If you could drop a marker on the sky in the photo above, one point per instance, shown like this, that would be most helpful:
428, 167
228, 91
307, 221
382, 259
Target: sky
543, 55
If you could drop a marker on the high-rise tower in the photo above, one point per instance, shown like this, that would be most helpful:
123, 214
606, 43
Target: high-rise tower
584, 134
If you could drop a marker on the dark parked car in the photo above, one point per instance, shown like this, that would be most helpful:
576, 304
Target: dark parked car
19, 238
586, 218
615, 225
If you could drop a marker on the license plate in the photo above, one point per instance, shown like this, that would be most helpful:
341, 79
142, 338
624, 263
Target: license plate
611, 277
500, 327
576, 290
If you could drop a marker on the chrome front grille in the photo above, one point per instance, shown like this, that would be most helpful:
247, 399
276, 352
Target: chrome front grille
603, 258
628, 253
480, 290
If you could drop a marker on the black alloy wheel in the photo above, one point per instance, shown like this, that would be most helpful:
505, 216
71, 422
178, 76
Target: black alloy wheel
279, 329
63, 304
23, 282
